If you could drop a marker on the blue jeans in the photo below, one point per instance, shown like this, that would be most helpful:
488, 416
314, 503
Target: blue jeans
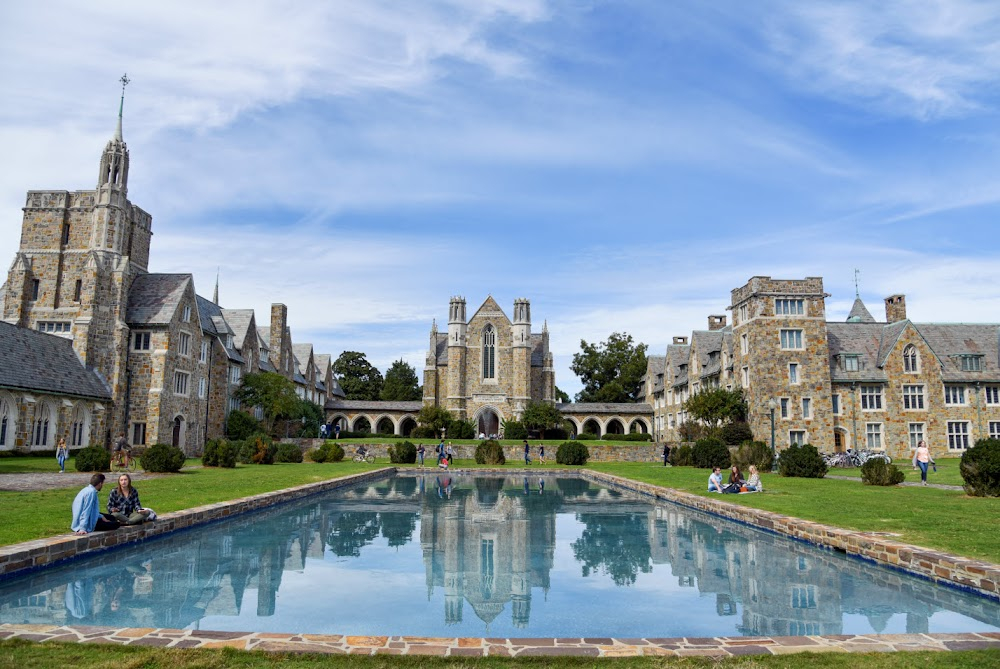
421, 456
923, 470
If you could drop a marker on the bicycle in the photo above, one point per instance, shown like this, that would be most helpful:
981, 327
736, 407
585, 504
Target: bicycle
122, 461
364, 456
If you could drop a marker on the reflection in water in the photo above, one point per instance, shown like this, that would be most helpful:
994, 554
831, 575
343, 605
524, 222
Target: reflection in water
488, 550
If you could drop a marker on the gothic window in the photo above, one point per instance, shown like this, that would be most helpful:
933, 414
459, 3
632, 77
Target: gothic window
8, 415
80, 426
77, 289
44, 423
911, 361
489, 352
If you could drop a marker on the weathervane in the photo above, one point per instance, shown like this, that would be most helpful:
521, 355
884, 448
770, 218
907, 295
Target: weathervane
857, 291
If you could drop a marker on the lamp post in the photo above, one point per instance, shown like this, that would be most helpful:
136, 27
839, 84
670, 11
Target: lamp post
772, 405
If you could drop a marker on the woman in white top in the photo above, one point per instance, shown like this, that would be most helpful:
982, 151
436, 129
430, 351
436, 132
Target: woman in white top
922, 458
753, 483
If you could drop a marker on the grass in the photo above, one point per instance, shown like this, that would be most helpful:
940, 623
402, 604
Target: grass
947, 471
28, 655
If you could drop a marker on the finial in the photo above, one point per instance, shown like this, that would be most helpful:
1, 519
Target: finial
215, 295
857, 291
121, 106
434, 325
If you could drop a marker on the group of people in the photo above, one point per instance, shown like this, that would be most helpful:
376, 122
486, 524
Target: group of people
328, 430
736, 483
527, 453
445, 454
124, 507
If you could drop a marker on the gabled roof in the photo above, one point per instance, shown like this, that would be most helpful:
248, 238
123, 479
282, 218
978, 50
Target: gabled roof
303, 353
705, 343
213, 323
859, 313
322, 361
862, 339
950, 341
153, 298
38, 362
674, 371
240, 321
490, 305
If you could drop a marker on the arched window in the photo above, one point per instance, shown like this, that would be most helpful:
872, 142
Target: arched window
911, 361
80, 427
489, 352
8, 421
43, 426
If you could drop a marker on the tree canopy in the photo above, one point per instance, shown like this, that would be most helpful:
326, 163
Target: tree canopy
434, 418
611, 371
359, 379
271, 392
715, 406
541, 416
561, 396
401, 383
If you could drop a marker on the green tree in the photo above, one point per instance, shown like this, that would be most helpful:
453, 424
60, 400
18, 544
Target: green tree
561, 396
401, 384
359, 379
432, 419
541, 416
271, 392
717, 406
611, 371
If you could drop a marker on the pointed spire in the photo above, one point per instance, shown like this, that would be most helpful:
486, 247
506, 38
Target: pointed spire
857, 290
545, 325
215, 295
121, 107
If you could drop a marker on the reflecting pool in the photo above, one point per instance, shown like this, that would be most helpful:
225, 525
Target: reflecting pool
551, 556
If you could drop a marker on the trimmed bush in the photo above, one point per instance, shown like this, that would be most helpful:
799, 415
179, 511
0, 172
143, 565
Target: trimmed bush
735, 433
257, 450
490, 452
632, 436
210, 456
755, 453
587, 436
240, 425
403, 453
802, 462
328, 452
877, 472
93, 459
572, 453
288, 453
513, 429
711, 452
682, 456
162, 458
980, 468
226, 454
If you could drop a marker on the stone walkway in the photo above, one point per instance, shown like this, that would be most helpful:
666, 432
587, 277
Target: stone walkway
51, 480
940, 486
499, 647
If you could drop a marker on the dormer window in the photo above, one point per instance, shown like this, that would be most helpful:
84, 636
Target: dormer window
850, 362
911, 361
971, 363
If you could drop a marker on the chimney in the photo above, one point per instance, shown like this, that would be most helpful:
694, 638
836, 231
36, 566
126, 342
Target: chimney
895, 308
279, 321
681, 341
716, 322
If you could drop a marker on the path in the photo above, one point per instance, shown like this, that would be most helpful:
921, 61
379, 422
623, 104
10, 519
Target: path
25, 482
940, 486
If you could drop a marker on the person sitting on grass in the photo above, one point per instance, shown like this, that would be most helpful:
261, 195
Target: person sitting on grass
123, 503
715, 480
87, 516
753, 483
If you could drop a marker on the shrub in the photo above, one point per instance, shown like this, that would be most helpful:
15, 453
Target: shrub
735, 433
162, 458
461, 429
513, 429
210, 456
980, 468
288, 453
587, 436
257, 450
682, 456
711, 452
755, 453
802, 462
93, 459
572, 453
240, 425
403, 453
226, 454
490, 452
877, 472
328, 452
632, 436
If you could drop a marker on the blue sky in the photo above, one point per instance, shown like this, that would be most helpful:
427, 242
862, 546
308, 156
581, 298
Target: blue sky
623, 165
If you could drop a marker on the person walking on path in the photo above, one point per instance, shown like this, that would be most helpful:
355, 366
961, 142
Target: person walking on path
87, 515
420, 454
666, 454
527, 453
541, 454
62, 452
922, 458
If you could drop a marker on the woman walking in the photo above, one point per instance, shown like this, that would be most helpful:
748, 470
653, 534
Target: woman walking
922, 458
62, 452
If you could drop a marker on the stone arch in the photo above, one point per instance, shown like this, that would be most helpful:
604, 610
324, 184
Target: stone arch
8, 421
407, 425
639, 425
385, 425
339, 419
487, 420
361, 424
573, 426
614, 426
178, 431
79, 427
841, 440
592, 426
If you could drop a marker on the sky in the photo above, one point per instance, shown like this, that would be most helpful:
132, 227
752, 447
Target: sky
623, 164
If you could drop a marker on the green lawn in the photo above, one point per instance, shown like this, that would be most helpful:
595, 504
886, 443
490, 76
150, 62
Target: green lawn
947, 471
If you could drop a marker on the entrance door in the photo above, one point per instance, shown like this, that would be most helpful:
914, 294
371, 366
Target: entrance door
177, 434
489, 423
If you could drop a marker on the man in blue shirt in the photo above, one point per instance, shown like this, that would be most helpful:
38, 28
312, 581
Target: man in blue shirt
715, 480
87, 515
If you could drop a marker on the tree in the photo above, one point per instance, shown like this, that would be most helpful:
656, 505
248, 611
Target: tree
359, 379
611, 371
401, 384
541, 416
432, 419
717, 406
561, 396
271, 392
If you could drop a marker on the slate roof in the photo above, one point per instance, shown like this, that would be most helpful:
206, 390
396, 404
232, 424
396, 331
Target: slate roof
239, 320
153, 298
301, 352
655, 365
322, 360
859, 313
707, 342
335, 389
365, 405
677, 356
44, 363
863, 339
213, 323
604, 407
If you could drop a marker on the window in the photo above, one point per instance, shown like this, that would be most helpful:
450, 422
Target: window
138, 434
234, 374
185, 344
851, 363
791, 339
954, 395
913, 397
785, 307
65, 234
958, 435
40, 428
745, 373
871, 398
181, 383
54, 327
489, 352
992, 394
835, 401
234, 404
784, 407
995, 429
911, 361
203, 356
793, 373
35, 285
971, 363
77, 290
873, 433
916, 434
186, 317
79, 427
804, 597
806, 407
258, 413
743, 313
796, 437
202, 386
140, 341
744, 344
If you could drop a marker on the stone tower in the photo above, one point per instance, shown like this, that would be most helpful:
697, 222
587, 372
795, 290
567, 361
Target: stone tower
781, 353
521, 353
457, 356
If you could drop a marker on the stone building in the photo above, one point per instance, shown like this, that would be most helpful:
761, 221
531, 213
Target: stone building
856, 384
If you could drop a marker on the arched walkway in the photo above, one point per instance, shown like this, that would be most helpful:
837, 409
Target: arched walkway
361, 424
615, 427
591, 426
407, 426
385, 426
639, 426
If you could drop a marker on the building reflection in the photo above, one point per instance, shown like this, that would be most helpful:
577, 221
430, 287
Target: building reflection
488, 544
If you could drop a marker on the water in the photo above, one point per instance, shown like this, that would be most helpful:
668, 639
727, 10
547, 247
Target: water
481, 556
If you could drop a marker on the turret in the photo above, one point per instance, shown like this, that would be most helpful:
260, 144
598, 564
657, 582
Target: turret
521, 329
457, 325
